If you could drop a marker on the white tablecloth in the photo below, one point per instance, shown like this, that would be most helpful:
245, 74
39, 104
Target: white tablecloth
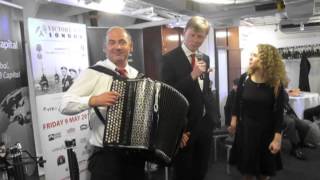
304, 101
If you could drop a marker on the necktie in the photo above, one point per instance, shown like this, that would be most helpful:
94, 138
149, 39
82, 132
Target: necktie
122, 72
193, 60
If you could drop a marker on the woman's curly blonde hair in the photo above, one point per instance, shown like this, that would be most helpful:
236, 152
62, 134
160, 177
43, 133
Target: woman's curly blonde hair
273, 68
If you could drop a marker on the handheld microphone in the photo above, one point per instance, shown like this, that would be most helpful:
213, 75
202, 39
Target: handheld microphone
3, 151
199, 57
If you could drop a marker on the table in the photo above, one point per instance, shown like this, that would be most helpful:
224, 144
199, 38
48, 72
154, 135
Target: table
304, 101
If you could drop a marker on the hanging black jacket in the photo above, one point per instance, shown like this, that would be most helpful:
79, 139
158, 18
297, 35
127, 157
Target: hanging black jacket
304, 73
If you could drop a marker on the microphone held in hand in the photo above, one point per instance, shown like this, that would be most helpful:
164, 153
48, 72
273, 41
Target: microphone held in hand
199, 57
3, 151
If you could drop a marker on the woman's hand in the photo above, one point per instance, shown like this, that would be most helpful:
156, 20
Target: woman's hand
233, 125
275, 145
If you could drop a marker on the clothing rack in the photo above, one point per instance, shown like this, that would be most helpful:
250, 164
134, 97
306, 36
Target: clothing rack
295, 52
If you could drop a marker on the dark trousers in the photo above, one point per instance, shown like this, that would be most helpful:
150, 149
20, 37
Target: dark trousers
296, 129
303, 128
115, 165
291, 130
192, 161
311, 112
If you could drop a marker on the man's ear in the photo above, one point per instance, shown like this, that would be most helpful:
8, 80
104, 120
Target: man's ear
131, 48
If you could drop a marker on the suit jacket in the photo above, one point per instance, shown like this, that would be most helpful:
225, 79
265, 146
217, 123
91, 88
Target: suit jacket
228, 106
304, 73
176, 71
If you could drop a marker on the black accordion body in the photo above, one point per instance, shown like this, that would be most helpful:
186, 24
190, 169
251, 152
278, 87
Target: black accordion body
149, 116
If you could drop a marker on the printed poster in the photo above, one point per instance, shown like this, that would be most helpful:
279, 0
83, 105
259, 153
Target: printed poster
58, 55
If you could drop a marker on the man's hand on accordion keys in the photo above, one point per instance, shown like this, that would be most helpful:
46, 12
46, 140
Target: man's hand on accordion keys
104, 99
184, 139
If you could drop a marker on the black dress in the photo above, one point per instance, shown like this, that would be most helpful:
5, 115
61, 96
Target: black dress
261, 116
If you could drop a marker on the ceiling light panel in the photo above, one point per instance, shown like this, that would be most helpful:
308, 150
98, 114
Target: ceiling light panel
223, 2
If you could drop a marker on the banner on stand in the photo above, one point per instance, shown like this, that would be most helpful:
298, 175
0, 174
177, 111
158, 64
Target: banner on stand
15, 113
58, 55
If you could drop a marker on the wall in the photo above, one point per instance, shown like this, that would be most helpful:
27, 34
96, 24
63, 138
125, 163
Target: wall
250, 36
152, 51
107, 20
229, 62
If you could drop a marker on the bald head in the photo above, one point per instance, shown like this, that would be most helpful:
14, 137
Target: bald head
118, 28
118, 46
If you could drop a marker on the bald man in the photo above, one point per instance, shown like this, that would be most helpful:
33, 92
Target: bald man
92, 89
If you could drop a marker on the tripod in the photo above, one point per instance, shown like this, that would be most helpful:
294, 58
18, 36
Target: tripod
12, 163
18, 167
72, 160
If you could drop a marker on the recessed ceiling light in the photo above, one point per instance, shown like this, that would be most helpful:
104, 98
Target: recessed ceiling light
223, 1
112, 6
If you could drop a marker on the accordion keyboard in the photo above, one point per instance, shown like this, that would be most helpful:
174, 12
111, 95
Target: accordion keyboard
114, 117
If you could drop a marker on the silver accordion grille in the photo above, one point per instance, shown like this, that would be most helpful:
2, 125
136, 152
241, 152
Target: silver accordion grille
143, 111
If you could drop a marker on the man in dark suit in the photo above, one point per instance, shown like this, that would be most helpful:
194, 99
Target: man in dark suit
186, 69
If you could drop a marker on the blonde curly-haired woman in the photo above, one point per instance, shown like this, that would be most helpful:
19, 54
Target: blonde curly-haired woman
258, 115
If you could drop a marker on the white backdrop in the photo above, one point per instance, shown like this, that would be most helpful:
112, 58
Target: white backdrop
251, 36
223, 85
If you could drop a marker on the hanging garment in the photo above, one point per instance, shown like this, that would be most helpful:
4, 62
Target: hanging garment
304, 73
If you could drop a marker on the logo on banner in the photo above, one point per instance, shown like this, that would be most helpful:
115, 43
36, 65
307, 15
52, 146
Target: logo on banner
41, 31
52, 137
61, 160
56, 32
83, 127
8, 44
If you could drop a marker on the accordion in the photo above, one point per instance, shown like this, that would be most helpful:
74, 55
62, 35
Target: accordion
150, 117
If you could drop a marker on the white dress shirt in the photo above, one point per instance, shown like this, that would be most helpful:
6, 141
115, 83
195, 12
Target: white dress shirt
90, 83
188, 54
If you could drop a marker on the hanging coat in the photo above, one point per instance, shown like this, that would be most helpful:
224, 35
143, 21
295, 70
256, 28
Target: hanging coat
304, 73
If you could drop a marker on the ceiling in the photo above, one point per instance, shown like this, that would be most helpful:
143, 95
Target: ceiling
176, 12
262, 12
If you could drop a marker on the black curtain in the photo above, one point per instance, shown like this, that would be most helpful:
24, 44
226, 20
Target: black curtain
304, 73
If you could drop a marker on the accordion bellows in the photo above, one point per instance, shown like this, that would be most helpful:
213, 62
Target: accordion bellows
150, 117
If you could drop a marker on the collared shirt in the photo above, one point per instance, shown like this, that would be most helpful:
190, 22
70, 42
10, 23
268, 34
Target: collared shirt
188, 53
91, 83
132, 73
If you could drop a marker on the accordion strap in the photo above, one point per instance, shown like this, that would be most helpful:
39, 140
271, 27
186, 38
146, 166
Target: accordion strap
107, 71
110, 72
115, 75
98, 113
